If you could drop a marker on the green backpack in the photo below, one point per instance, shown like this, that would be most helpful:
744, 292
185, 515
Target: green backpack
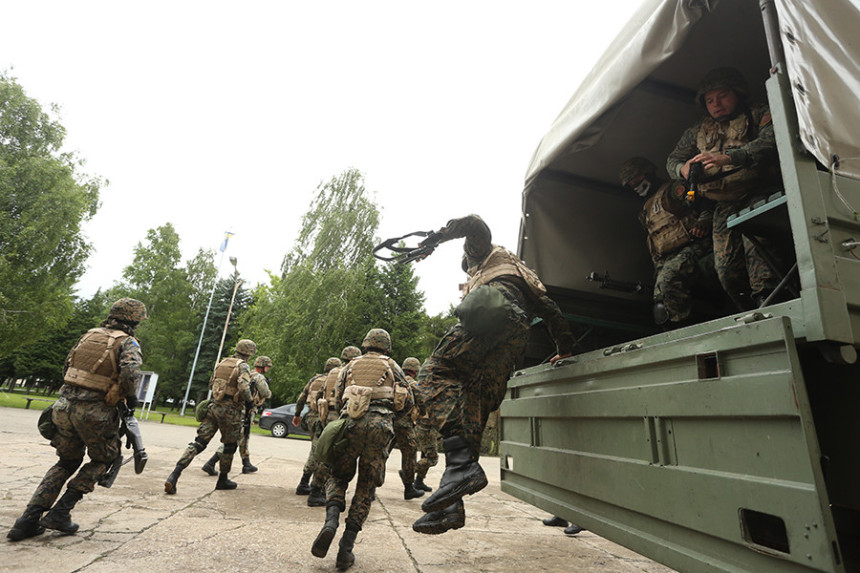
484, 310
332, 441
46, 423
202, 410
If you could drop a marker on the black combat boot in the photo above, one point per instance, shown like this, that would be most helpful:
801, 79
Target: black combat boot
316, 497
326, 534
409, 489
224, 482
463, 475
345, 558
170, 482
28, 524
573, 529
555, 521
58, 518
419, 484
209, 467
304, 487
436, 522
248, 467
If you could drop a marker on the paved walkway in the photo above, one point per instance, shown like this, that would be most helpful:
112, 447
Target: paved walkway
263, 526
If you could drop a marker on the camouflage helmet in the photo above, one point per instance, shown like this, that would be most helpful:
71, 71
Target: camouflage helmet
377, 338
262, 361
411, 364
246, 347
128, 310
634, 167
720, 78
349, 353
332, 363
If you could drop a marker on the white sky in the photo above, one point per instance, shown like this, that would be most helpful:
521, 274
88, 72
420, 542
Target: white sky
220, 116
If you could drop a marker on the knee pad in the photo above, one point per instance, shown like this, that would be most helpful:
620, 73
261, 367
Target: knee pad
199, 444
230, 448
70, 465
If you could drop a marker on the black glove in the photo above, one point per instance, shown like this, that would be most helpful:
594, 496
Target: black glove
131, 401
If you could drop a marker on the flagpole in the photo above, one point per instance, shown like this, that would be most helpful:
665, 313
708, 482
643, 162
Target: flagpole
205, 319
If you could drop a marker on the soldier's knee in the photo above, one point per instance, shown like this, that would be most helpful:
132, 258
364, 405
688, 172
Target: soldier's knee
230, 448
70, 465
199, 444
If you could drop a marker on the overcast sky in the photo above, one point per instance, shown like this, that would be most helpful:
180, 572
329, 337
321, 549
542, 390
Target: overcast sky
226, 116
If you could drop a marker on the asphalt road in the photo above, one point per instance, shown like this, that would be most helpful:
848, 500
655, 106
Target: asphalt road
263, 526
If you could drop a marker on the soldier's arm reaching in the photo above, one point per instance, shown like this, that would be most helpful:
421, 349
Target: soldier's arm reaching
471, 227
548, 310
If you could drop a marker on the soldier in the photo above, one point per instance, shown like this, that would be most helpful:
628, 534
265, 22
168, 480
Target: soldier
312, 392
404, 437
465, 378
231, 394
328, 411
373, 388
260, 392
678, 238
426, 435
101, 370
736, 147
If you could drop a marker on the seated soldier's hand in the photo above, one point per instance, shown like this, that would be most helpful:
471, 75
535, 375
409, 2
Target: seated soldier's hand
558, 357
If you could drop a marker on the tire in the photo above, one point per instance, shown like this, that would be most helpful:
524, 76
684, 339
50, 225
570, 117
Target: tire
280, 430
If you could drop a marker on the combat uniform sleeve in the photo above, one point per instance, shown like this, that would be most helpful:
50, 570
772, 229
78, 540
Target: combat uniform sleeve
685, 150
400, 380
129, 360
262, 390
548, 310
478, 236
303, 397
762, 149
244, 383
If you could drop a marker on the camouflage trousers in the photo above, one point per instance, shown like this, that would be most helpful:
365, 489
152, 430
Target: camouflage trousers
465, 378
313, 421
83, 427
675, 275
739, 266
322, 473
368, 440
404, 437
224, 416
426, 438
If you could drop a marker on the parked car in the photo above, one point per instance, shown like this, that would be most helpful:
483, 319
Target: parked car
279, 421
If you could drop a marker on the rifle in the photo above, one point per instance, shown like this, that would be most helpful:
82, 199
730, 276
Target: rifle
408, 254
131, 430
624, 286
697, 170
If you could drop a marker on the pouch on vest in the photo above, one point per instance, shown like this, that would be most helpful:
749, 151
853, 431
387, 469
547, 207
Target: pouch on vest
46, 423
219, 387
359, 401
332, 441
112, 396
483, 310
400, 395
322, 409
202, 410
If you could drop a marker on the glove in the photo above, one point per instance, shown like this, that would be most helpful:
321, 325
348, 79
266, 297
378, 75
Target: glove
131, 401
432, 240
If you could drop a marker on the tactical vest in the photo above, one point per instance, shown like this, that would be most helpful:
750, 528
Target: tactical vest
261, 391
666, 231
315, 389
330, 386
718, 137
93, 362
501, 262
369, 378
228, 369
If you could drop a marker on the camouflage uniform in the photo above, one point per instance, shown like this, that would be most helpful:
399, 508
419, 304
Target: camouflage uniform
85, 424
404, 437
312, 419
261, 393
741, 269
426, 437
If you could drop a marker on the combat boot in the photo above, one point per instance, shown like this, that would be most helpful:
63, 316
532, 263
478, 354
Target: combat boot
209, 467
28, 524
326, 534
248, 467
419, 484
573, 529
463, 475
555, 521
345, 558
59, 517
409, 490
170, 482
304, 487
224, 482
316, 497
436, 522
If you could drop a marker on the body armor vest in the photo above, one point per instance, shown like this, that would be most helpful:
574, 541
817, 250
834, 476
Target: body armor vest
667, 232
93, 361
369, 378
315, 390
228, 369
501, 262
718, 137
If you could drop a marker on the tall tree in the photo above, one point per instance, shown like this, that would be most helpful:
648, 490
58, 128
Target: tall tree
44, 198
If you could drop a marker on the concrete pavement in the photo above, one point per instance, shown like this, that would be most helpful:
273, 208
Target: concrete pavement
263, 526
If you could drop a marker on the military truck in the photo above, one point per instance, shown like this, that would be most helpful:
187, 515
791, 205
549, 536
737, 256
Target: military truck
730, 445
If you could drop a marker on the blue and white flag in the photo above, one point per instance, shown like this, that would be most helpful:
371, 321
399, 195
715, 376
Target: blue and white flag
227, 236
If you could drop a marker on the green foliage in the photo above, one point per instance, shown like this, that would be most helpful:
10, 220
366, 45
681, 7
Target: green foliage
43, 200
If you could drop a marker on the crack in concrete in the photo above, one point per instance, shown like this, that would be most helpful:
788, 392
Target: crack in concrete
394, 527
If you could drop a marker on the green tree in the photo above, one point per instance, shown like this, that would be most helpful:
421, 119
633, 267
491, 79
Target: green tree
44, 198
